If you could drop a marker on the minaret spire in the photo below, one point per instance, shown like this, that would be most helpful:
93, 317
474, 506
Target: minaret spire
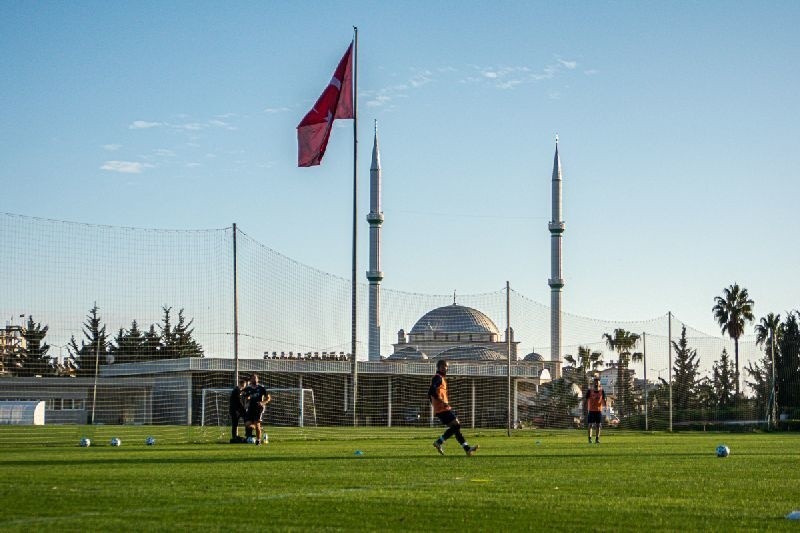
374, 274
556, 281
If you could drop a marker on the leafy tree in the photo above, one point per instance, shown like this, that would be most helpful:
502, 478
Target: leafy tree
586, 361
36, 361
723, 381
557, 400
760, 381
769, 332
624, 342
94, 345
685, 368
732, 311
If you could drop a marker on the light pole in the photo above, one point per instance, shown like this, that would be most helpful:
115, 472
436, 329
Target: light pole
658, 372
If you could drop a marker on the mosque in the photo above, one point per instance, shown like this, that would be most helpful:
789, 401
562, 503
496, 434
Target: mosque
455, 332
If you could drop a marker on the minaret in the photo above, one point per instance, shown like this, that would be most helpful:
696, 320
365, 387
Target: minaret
374, 274
556, 281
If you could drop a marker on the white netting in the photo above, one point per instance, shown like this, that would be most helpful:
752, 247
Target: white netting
123, 326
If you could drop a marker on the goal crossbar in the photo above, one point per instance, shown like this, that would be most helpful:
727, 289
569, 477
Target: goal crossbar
305, 406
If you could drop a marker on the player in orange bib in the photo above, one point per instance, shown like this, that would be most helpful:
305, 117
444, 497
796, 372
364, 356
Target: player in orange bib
593, 403
446, 415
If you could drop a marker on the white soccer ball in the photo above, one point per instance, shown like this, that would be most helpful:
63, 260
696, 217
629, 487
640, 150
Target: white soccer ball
85, 443
150, 441
251, 440
723, 451
116, 442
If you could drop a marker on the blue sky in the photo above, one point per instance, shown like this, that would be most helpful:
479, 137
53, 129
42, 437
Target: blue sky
678, 126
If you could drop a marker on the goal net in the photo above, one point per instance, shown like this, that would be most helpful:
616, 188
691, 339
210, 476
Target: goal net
288, 407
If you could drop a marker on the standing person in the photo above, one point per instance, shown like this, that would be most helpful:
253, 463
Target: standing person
446, 415
236, 410
593, 402
258, 398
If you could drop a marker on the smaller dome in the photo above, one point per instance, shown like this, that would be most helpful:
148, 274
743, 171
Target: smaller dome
407, 354
471, 353
533, 357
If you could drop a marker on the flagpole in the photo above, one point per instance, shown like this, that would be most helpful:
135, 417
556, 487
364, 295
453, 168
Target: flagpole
355, 227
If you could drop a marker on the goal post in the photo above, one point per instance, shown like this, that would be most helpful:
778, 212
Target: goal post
288, 407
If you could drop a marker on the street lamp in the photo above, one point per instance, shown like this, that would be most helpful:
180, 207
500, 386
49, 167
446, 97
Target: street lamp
657, 371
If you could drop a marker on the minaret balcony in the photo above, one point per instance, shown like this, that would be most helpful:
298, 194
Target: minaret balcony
375, 218
555, 283
374, 275
555, 227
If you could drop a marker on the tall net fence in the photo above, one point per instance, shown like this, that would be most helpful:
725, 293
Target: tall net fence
123, 326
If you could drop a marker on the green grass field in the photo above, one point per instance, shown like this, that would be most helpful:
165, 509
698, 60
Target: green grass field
313, 480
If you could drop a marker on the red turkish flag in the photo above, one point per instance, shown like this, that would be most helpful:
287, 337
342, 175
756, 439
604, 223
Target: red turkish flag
336, 101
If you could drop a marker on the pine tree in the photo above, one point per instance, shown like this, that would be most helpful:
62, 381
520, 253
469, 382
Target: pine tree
787, 362
177, 340
724, 381
93, 348
685, 368
36, 361
128, 345
185, 345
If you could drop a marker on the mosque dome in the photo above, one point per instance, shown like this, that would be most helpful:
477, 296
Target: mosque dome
533, 357
471, 353
454, 318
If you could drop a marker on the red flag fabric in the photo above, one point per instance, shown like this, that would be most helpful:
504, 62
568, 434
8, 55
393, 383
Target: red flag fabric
336, 101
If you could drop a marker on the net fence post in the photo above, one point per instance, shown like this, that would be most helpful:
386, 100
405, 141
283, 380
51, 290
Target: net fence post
235, 315
644, 360
669, 352
508, 353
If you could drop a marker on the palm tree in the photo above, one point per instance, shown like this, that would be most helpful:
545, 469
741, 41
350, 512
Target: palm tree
624, 342
732, 311
769, 325
586, 360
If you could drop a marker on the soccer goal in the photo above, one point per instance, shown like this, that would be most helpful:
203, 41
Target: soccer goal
288, 407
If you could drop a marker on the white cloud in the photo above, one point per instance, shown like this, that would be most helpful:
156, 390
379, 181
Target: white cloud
111, 147
189, 126
568, 64
590, 72
272, 110
509, 84
420, 79
379, 100
220, 124
163, 152
125, 167
490, 74
143, 125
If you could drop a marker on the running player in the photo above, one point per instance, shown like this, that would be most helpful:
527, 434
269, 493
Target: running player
446, 415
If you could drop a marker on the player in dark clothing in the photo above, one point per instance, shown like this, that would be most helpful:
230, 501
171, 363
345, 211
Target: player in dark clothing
258, 398
236, 410
437, 395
